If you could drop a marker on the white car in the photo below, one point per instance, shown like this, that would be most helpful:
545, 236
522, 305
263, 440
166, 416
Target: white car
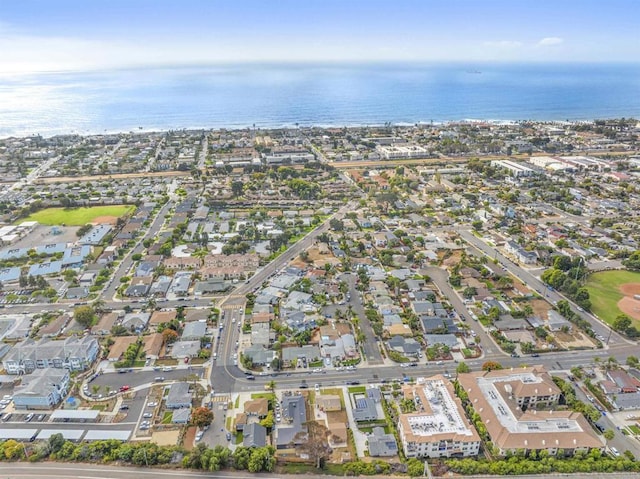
147, 415
152, 404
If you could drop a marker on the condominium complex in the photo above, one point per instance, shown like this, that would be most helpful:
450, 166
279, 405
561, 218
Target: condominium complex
73, 353
509, 403
439, 427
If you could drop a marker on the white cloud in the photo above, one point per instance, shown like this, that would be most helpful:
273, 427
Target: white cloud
550, 41
505, 44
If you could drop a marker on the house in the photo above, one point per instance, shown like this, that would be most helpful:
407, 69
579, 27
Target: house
254, 435
139, 286
194, 331
382, 444
105, 324
136, 321
180, 284
292, 354
257, 408
329, 402
73, 353
556, 321
211, 286
160, 286
292, 430
196, 314
79, 292
259, 355
185, 349
152, 345
365, 409
449, 340
43, 389
406, 346
181, 415
179, 396
159, 317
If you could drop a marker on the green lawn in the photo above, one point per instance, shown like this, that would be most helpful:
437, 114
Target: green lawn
604, 292
77, 216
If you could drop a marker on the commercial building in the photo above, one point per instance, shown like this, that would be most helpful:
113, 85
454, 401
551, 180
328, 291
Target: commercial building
439, 427
508, 401
516, 170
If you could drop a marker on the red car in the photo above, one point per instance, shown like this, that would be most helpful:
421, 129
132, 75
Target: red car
124, 388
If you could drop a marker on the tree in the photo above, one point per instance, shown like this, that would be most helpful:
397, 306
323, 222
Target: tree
608, 435
236, 188
415, 467
56, 442
491, 366
632, 361
316, 445
268, 421
202, 417
84, 315
505, 282
463, 368
469, 292
169, 335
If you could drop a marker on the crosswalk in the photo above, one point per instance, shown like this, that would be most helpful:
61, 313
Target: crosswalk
223, 399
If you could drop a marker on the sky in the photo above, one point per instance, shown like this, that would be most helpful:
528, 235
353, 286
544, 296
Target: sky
58, 35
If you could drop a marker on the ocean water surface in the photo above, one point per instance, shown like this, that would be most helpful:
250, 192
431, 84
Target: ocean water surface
239, 96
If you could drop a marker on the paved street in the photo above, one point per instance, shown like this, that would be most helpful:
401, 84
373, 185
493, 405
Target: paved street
370, 346
49, 470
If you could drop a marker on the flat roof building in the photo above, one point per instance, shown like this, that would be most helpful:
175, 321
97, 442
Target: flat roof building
439, 427
506, 400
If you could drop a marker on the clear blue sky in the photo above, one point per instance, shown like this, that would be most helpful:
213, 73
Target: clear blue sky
59, 34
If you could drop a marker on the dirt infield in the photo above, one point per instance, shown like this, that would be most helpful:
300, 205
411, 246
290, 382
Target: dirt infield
629, 305
101, 220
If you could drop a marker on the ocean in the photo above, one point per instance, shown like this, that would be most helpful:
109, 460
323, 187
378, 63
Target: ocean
247, 95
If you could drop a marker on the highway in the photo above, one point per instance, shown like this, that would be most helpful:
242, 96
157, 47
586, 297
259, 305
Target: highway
52, 470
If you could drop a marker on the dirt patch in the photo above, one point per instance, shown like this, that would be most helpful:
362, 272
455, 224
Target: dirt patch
629, 305
170, 438
629, 289
105, 220
574, 339
540, 308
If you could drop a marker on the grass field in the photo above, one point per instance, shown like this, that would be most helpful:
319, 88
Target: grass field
77, 216
605, 293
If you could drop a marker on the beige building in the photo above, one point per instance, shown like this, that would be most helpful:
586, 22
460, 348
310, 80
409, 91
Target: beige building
439, 427
508, 402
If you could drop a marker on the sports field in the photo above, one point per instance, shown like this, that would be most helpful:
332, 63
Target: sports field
80, 216
612, 293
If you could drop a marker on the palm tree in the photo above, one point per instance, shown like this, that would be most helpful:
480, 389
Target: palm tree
272, 385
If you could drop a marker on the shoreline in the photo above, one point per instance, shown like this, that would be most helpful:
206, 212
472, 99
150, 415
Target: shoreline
310, 126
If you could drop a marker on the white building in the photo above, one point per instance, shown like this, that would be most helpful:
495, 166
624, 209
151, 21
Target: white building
439, 427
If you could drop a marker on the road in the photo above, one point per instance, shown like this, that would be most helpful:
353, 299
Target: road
370, 346
126, 263
53, 470
441, 279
